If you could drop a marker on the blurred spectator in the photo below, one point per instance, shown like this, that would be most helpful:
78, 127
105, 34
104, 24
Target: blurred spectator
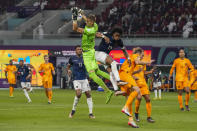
187, 28
172, 26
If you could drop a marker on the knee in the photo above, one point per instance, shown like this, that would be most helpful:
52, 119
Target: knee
92, 74
88, 95
147, 100
78, 95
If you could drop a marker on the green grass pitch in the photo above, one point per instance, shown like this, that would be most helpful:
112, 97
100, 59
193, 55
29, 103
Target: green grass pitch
17, 115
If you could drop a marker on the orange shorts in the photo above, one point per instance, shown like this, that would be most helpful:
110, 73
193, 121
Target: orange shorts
143, 87
180, 85
124, 76
11, 80
47, 84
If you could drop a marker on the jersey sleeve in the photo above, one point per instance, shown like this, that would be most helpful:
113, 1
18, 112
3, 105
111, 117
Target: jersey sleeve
173, 66
41, 67
52, 67
120, 43
191, 67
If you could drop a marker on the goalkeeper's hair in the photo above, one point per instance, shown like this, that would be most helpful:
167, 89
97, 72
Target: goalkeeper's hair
117, 29
92, 17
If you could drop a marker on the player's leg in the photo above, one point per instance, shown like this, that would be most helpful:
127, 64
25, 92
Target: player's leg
78, 91
180, 99
90, 104
112, 79
86, 88
155, 90
179, 86
92, 69
187, 97
24, 87
11, 90
101, 56
49, 90
137, 107
148, 108
114, 69
159, 89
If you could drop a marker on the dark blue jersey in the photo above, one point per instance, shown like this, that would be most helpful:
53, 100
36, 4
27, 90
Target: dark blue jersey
78, 68
107, 47
23, 72
156, 76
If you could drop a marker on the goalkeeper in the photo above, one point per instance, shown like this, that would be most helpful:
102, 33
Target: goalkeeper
88, 44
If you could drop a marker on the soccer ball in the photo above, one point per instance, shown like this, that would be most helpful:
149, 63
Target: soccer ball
79, 17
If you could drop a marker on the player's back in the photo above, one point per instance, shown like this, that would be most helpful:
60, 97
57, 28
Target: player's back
23, 72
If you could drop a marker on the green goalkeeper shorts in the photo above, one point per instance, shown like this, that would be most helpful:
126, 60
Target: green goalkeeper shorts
89, 60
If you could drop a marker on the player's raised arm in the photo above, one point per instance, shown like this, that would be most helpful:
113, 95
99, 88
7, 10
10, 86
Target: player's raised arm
74, 18
124, 50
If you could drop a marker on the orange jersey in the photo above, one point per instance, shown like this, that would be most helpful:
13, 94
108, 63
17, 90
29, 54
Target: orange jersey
193, 76
10, 69
47, 69
125, 66
140, 75
182, 68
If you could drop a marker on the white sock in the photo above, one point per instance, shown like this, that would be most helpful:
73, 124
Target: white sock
159, 93
155, 93
26, 95
90, 104
115, 70
113, 81
76, 100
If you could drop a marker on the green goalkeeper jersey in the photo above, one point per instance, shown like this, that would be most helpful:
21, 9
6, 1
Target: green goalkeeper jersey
88, 38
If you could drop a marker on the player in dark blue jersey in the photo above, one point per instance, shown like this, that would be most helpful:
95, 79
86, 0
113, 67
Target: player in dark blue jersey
24, 74
108, 43
157, 82
80, 81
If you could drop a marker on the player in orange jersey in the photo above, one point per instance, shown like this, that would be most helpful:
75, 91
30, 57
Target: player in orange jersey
141, 83
10, 73
126, 72
47, 69
193, 81
182, 66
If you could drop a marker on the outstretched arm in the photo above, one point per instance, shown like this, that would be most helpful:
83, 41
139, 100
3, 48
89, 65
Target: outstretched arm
124, 50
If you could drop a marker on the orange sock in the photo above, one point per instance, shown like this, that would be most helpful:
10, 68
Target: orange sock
50, 95
195, 95
11, 90
131, 99
187, 96
148, 108
180, 101
137, 105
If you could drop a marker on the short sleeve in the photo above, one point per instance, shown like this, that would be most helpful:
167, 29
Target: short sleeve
52, 67
41, 67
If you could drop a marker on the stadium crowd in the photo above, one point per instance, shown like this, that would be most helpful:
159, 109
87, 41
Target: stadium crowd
151, 16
